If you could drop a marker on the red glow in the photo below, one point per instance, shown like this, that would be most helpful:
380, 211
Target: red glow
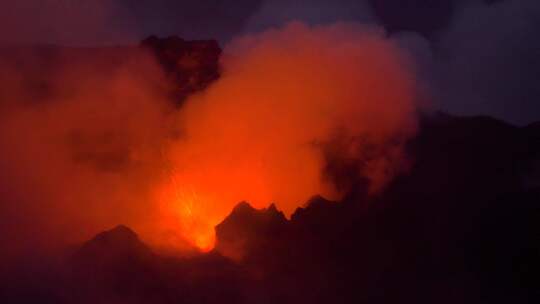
253, 135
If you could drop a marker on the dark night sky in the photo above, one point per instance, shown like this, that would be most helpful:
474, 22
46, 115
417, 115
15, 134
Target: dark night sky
479, 56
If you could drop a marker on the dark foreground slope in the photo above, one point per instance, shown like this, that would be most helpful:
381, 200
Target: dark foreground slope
463, 226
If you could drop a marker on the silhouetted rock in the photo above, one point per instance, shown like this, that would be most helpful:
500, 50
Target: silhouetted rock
234, 240
316, 207
117, 244
114, 264
192, 65
462, 226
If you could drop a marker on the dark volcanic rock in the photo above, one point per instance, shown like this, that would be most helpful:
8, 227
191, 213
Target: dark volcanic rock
234, 240
462, 226
463, 222
117, 244
115, 266
192, 65
114, 263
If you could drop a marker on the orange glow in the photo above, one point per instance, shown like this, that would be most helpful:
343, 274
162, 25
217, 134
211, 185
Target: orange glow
189, 215
255, 134
104, 145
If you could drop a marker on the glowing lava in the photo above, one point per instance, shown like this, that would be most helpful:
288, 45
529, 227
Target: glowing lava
189, 215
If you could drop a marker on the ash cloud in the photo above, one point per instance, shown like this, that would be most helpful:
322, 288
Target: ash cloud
81, 131
92, 138
113, 132
259, 132
470, 47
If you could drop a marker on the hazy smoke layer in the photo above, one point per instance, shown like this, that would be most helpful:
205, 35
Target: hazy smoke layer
80, 131
71, 22
90, 140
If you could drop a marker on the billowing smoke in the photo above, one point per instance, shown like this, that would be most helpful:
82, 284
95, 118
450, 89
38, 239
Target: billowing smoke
95, 141
290, 101
80, 131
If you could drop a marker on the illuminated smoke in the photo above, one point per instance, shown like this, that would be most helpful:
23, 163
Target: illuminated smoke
90, 139
261, 132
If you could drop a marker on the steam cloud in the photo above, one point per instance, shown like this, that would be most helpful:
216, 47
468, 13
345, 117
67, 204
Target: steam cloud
259, 132
90, 144
80, 134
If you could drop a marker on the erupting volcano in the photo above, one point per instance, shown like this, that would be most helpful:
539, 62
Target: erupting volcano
303, 162
260, 132
296, 111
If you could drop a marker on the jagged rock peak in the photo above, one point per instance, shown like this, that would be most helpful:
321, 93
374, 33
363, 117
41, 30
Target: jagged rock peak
118, 233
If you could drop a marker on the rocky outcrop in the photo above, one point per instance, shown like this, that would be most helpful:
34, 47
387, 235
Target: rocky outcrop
265, 225
116, 266
192, 65
113, 246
